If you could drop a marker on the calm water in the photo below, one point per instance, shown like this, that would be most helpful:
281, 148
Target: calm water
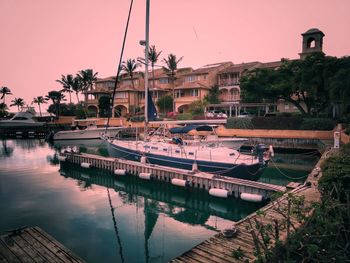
106, 219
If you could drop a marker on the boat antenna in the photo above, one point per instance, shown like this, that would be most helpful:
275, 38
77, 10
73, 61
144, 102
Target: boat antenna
120, 62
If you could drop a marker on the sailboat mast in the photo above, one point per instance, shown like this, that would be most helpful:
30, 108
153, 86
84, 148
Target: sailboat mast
146, 64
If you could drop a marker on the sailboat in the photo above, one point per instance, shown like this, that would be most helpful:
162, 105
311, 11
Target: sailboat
216, 159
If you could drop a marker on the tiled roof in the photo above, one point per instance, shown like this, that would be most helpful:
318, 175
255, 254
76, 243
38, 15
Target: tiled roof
192, 85
239, 67
207, 68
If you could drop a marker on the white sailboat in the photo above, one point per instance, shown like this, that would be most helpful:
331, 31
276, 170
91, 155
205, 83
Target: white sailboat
215, 159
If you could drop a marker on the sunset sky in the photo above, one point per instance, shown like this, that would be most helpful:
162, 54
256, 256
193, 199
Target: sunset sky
42, 39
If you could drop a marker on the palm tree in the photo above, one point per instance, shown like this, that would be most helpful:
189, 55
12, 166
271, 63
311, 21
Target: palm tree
170, 69
67, 82
87, 78
77, 86
130, 67
55, 97
4, 91
19, 102
40, 100
3, 110
153, 58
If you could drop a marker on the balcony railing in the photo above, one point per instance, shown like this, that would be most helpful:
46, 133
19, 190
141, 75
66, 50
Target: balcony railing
228, 82
227, 98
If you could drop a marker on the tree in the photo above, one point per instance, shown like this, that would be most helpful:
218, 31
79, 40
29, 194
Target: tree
40, 100
165, 103
153, 56
87, 77
338, 85
67, 83
213, 96
56, 97
130, 67
104, 106
3, 110
197, 107
4, 91
170, 69
19, 102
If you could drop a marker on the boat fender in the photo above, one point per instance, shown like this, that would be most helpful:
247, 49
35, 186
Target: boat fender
217, 192
145, 176
252, 197
143, 159
179, 182
120, 172
62, 158
85, 165
271, 151
194, 166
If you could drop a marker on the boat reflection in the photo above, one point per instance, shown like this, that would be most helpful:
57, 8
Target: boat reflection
191, 206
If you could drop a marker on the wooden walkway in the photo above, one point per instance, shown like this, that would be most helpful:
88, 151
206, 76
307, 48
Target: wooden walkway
219, 248
201, 180
33, 245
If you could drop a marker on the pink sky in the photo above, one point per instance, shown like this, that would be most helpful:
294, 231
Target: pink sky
42, 39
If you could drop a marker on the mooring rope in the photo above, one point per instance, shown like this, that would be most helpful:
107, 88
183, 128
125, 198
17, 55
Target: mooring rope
280, 171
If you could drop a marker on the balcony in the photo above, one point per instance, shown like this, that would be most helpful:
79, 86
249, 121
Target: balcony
228, 82
229, 98
187, 99
121, 100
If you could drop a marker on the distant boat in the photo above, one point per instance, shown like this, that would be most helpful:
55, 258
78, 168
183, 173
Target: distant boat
21, 119
86, 129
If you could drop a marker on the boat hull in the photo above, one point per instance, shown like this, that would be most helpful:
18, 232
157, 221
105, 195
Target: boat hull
247, 172
87, 134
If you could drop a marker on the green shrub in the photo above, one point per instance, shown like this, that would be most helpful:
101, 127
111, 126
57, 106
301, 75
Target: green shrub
277, 122
137, 118
336, 173
317, 124
184, 116
239, 123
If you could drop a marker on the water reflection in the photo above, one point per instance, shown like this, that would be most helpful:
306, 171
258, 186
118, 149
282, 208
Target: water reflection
105, 218
190, 206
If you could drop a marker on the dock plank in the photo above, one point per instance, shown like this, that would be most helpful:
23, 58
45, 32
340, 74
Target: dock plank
34, 245
15, 249
28, 248
7, 253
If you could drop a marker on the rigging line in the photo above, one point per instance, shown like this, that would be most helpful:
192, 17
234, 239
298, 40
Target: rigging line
120, 60
115, 227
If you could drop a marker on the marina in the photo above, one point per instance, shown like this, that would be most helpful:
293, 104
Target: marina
71, 203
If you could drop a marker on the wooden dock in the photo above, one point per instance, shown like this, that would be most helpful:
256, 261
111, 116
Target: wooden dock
220, 248
33, 245
234, 186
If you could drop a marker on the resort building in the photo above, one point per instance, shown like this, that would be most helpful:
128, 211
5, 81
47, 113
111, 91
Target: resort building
193, 84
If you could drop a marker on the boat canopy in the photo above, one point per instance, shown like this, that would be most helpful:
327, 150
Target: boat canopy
188, 128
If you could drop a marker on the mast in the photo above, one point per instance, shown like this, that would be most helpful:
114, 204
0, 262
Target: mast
146, 65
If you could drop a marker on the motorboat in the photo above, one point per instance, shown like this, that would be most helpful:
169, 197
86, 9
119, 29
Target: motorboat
86, 129
21, 119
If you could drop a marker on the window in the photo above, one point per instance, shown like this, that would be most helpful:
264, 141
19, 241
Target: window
194, 92
121, 95
163, 81
191, 78
127, 81
180, 93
